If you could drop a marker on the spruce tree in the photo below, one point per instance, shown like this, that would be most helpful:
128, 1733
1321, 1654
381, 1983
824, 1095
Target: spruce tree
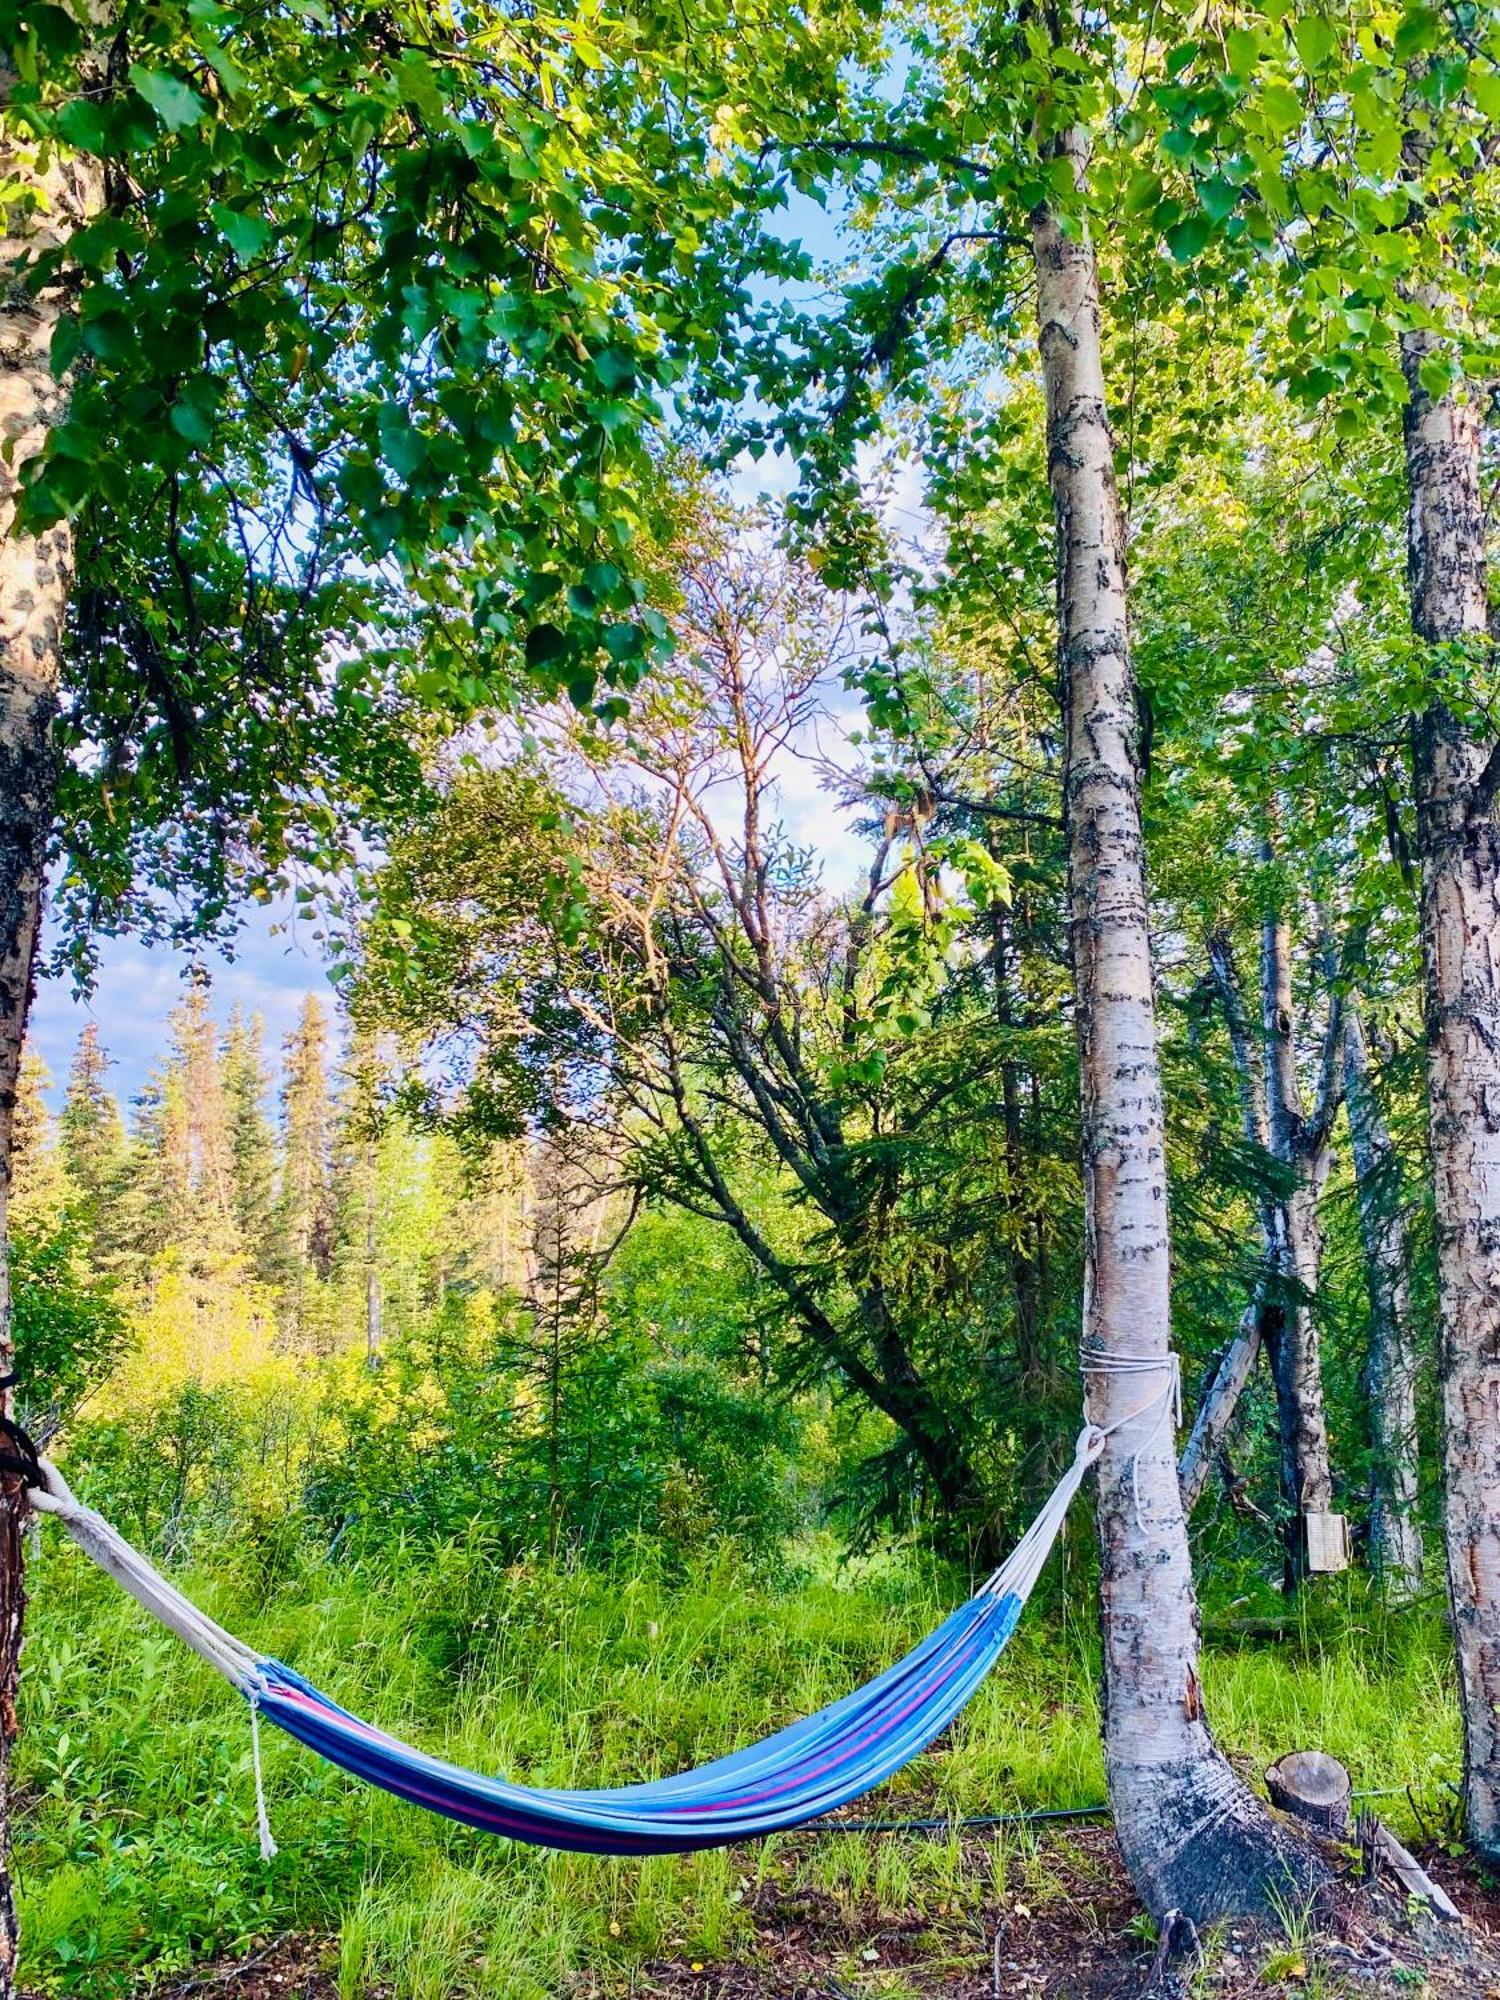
252, 1144
90, 1131
40, 1189
305, 1204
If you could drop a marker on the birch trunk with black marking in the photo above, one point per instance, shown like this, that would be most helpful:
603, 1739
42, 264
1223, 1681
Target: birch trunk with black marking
1391, 1372
35, 572
1458, 847
1282, 1315
1300, 1145
1194, 1838
1216, 1411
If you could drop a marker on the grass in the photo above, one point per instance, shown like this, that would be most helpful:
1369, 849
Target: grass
138, 1853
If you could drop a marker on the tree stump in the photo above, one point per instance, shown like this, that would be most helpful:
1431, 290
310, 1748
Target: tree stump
1314, 1787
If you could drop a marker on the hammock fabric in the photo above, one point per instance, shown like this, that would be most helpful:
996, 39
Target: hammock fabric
803, 1771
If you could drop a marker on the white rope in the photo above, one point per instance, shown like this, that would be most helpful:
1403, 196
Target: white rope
146, 1584
1018, 1573
262, 1817
1167, 1402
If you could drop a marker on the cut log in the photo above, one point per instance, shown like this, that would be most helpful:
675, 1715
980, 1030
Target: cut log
1314, 1787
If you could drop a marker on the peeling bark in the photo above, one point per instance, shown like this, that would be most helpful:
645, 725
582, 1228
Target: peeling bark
1458, 845
35, 572
1194, 1838
1391, 1373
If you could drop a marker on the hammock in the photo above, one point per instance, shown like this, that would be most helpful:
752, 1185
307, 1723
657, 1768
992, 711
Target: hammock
802, 1772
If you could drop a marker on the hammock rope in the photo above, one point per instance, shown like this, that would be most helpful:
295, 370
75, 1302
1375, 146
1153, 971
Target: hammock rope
800, 1773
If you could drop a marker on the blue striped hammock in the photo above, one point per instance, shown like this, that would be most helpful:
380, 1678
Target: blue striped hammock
803, 1771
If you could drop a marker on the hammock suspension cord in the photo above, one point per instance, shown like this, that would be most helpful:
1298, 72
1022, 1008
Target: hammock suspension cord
800, 1773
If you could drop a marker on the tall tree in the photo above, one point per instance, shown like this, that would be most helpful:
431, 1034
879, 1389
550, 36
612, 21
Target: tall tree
1391, 1370
305, 1214
252, 1143
1294, 1138
1192, 1835
1455, 778
35, 572
196, 1054
91, 1131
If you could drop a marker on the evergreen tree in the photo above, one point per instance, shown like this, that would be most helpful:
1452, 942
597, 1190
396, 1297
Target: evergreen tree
252, 1144
40, 1189
195, 1058
90, 1130
155, 1207
357, 1183
305, 1216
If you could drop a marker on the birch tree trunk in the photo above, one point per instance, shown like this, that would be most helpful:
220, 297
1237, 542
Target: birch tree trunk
1391, 1375
1221, 1399
1301, 1146
1459, 852
1193, 1837
1282, 1315
35, 572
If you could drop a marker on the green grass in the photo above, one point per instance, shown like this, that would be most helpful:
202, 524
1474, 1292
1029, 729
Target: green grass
138, 1848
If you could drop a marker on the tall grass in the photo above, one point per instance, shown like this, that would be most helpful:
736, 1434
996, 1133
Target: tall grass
138, 1854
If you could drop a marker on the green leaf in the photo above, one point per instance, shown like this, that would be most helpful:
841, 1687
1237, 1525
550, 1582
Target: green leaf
417, 86
1281, 108
1186, 238
66, 338
82, 123
1315, 39
176, 103
192, 422
1244, 49
1418, 31
246, 235
544, 644
1218, 197
615, 367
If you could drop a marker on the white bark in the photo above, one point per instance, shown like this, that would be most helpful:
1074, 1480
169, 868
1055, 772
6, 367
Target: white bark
1459, 851
1211, 1425
35, 572
1391, 1374
1192, 1836
1301, 1146
1282, 1317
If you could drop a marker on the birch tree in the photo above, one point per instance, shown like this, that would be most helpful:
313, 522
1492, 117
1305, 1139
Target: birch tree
1407, 194
1391, 1370
1193, 1837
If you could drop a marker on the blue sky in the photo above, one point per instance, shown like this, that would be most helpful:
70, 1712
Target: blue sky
137, 988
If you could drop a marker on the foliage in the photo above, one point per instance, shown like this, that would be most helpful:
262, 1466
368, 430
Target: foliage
371, 343
70, 1332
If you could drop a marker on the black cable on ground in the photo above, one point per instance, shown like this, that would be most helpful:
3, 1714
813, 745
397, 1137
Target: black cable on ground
976, 1820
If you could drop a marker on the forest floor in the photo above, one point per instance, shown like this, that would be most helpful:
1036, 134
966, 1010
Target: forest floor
1085, 1942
